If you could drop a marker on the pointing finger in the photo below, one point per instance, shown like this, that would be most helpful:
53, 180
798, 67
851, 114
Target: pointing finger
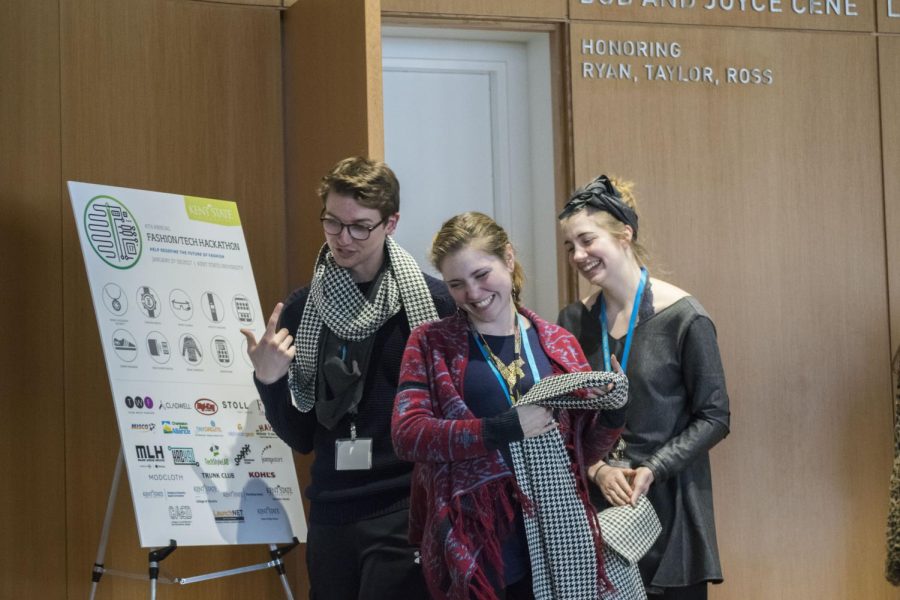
251, 339
273, 320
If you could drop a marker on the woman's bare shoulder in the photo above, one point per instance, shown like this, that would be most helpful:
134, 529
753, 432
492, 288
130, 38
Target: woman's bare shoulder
665, 294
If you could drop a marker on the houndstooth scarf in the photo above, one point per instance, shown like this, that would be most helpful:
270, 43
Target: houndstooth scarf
336, 302
561, 539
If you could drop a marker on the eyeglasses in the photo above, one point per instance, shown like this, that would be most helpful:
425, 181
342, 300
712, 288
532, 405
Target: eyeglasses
357, 232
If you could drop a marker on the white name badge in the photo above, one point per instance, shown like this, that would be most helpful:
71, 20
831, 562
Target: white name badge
353, 455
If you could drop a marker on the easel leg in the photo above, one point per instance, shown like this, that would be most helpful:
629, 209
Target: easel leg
155, 557
276, 554
97, 571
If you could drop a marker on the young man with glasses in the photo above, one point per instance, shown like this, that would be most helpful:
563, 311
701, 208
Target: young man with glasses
327, 369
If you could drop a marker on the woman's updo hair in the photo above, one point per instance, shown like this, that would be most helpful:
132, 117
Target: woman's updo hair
605, 219
479, 230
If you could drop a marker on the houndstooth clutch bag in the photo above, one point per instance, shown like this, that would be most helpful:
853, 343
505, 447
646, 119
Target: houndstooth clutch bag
555, 391
628, 533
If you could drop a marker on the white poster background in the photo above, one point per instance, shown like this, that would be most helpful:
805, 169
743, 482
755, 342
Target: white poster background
172, 285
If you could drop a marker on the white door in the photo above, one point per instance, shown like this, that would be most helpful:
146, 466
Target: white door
467, 126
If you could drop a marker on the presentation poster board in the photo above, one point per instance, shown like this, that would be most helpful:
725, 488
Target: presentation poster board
172, 286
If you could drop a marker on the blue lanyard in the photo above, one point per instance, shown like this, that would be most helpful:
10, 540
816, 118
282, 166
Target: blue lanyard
536, 376
604, 329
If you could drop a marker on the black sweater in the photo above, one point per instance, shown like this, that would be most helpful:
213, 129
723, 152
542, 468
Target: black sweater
340, 497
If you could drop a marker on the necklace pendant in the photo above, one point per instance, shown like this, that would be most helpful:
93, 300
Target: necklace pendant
513, 372
505, 372
511, 380
516, 367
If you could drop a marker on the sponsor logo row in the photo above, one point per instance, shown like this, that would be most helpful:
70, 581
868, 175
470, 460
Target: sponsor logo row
171, 427
205, 406
210, 494
280, 492
154, 455
182, 514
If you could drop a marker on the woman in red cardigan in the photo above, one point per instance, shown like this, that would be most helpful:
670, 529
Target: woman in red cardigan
456, 416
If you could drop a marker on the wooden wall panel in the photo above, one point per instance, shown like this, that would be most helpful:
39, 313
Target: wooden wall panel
889, 63
888, 16
831, 15
332, 109
545, 9
332, 66
765, 202
181, 97
32, 504
271, 3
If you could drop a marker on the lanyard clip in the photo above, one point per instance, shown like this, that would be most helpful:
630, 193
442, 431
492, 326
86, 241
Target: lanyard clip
352, 431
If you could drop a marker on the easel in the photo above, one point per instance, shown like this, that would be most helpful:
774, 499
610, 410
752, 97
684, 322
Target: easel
158, 555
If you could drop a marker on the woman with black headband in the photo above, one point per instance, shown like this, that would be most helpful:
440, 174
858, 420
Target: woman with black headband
678, 405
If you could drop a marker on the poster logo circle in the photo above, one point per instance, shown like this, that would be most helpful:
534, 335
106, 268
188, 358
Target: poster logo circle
112, 232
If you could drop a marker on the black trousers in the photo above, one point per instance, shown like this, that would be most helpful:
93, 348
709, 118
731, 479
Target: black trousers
520, 590
367, 560
691, 592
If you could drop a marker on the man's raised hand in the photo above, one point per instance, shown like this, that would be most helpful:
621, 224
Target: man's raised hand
274, 351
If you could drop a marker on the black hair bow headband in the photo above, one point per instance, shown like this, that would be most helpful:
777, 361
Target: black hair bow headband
601, 194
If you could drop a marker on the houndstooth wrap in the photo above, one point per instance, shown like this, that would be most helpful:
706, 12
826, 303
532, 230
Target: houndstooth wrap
560, 538
336, 302
628, 533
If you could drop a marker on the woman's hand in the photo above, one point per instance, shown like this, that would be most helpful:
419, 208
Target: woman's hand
640, 484
535, 420
274, 352
614, 482
597, 392
616, 367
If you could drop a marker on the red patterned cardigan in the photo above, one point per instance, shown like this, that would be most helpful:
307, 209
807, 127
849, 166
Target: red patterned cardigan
464, 497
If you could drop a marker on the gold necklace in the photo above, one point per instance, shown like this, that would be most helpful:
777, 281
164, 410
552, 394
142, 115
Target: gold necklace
511, 372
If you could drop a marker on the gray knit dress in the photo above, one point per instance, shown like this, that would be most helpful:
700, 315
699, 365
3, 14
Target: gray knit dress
678, 410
